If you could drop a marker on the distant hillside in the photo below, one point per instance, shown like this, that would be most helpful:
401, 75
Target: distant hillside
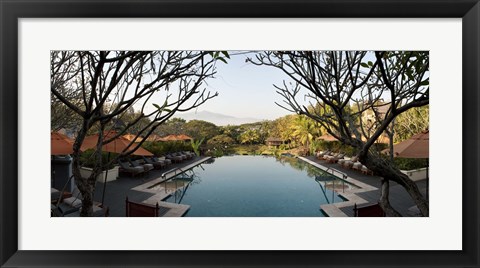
216, 118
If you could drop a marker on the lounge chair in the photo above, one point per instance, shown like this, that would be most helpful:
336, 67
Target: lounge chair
127, 168
156, 164
139, 163
349, 162
368, 211
72, 206
167, 162
184, 157
56, 196
328, 156
174, 158
366, 171
321, 154
188, 154
334, 159
357, 166
192, 154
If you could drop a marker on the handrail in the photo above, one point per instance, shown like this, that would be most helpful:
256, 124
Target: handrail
164, 174
345, 176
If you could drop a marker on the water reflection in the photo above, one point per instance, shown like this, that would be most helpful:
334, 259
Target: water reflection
325, 180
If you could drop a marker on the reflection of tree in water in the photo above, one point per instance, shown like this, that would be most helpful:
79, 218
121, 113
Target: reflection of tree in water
312, 171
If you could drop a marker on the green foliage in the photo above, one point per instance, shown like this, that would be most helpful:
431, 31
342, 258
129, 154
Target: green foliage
411, 122
159, 148
199, 129
250, 136
231, 131
410, 163
305, 130
196, 145
221, 140
216, 55
88, 159
172, 126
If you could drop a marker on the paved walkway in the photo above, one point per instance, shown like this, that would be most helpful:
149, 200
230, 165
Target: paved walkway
137, 190
369, 193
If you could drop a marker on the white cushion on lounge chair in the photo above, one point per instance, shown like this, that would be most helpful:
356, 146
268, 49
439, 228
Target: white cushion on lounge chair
365, 169
347, 164
357, 165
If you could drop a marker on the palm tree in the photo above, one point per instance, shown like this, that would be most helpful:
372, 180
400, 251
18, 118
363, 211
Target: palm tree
304, 130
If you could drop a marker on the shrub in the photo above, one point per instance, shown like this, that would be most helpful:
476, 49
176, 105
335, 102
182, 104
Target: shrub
88, 159
221, 140
159, 148
410, 163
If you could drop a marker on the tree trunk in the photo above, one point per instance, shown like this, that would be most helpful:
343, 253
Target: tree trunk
84, 185
385, 202
87, 202
385, 169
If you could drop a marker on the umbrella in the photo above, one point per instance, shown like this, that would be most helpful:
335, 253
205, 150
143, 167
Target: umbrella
118, 145
132, 137
153, 137
60, 144
415, 147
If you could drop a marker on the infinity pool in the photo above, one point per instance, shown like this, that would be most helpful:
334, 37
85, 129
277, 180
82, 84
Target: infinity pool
256, 186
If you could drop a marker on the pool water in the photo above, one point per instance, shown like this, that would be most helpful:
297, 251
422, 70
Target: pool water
257, 186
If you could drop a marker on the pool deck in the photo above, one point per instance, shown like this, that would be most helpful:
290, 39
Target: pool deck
137, 190
368, 193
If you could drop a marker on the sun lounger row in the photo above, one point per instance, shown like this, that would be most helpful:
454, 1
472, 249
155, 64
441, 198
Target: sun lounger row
145, 164
142, 166
339, 158
354, 164
329, 156
180, 156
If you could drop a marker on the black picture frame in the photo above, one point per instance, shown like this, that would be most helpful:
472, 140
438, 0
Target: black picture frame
11, 11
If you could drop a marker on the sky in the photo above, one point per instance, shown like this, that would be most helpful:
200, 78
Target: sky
245, 90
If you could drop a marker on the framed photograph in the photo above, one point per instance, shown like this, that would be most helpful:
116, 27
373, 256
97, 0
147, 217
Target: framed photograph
296, 162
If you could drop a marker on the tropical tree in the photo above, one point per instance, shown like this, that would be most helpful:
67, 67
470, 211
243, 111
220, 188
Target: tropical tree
231, 131
100, 86
411, 122
305, 129
172, 126
337, 80
250, 136
221, 140
283, 127
201, 129
196, 145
